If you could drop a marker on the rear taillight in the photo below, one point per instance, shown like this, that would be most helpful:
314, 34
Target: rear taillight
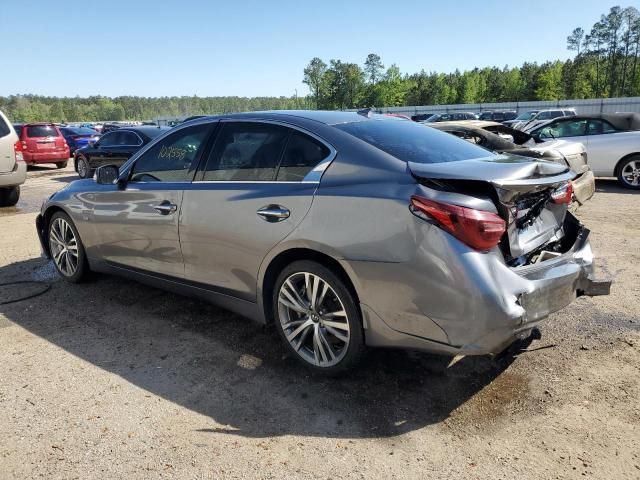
479, 229
18, 148
563, 194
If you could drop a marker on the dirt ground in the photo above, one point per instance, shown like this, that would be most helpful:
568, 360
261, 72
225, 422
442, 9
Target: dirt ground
112, 379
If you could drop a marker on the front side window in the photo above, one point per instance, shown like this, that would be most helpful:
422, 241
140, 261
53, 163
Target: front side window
172, 158
575, 128
127, 139
413, 142
108, 140
301, 155
246, 151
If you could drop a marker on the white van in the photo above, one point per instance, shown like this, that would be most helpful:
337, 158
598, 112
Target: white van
13, 170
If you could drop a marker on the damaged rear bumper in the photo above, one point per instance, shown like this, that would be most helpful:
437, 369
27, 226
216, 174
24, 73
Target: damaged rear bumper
544, 288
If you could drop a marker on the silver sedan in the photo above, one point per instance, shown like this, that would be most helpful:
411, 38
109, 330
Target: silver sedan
343, 230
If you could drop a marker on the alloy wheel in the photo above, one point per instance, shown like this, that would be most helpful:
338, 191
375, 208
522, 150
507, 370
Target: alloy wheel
631, 173
82, 168
313, 319
64, 247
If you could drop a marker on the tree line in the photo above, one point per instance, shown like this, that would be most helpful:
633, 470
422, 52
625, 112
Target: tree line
33, 108
606, 64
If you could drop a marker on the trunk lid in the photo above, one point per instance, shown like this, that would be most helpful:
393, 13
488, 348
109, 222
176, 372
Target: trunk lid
521, 190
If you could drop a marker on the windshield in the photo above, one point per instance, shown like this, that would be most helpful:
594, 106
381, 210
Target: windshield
526, 116
413, 142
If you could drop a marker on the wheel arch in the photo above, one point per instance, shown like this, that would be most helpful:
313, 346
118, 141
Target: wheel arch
616, 170
279, 260
46, 220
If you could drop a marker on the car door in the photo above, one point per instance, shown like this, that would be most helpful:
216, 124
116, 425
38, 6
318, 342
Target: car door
254, 189
602, 152
136, 222
98, 154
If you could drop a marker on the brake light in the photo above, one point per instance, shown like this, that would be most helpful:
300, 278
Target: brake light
18, 148
564, 194
479, 229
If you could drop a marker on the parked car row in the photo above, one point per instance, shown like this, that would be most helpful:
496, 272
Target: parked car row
508, 117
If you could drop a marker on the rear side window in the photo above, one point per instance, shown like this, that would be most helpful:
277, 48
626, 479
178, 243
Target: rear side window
246, 152
302, 154
4, 128
18, 129
413, 142
42, 131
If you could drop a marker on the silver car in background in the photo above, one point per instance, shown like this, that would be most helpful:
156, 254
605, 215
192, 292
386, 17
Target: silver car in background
344, 230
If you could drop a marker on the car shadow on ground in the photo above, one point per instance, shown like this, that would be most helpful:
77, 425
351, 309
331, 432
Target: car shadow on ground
613, 186
234, 371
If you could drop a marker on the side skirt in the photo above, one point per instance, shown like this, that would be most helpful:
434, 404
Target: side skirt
182, 287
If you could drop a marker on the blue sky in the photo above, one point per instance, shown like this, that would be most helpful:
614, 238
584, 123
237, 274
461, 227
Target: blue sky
252, 48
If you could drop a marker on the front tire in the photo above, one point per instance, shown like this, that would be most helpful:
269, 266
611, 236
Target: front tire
67, 251
629, 172
9, 196
317, 317
84, 171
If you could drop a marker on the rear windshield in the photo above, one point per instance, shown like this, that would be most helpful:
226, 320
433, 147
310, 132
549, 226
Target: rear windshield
42, 131
79, 131
414, 142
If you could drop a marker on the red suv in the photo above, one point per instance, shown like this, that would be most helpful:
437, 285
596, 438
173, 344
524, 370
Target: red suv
42, 143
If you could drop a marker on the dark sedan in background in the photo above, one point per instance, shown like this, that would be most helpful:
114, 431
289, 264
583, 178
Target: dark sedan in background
114, 148
78, 137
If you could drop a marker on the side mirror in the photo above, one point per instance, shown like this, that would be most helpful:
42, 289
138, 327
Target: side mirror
106, 175
93, 143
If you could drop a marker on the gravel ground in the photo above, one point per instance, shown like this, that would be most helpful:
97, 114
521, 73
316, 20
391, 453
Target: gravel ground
112, 379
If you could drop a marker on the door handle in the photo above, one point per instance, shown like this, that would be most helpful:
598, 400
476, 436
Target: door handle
166, 208
274, 213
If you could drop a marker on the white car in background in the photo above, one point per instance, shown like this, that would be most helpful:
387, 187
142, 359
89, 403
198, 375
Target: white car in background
612, 141
542, 116
13, 170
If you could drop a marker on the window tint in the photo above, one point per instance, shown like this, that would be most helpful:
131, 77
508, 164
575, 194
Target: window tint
573, 128
4, 128
302, 154
599, 127
125, 138
108, 140
42, 131
413, 142
171, 159
246, 152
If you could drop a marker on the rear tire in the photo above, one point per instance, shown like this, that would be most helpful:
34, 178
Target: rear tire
629, 172
9, 196
62, 164
67, 251
317, 317
84, 171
